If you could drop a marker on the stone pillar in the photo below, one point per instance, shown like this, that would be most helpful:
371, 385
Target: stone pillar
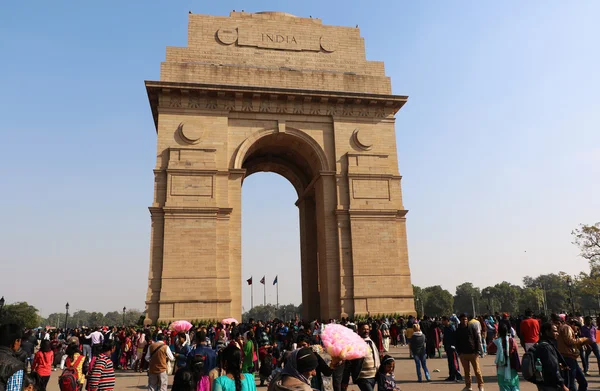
308, 254
235, 280
156, 264
329, 265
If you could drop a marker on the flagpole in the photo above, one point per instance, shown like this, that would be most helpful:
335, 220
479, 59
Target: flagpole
251, 294
265, 291
277, 293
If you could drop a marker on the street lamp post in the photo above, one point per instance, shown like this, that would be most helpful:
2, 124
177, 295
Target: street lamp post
66, 315
124, 309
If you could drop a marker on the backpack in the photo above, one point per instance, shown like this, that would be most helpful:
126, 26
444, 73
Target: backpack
528, 364
68, 379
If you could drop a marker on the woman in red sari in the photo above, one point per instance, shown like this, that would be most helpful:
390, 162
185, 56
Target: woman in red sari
126, 351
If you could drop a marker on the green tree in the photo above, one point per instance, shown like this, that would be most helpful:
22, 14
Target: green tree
490, 300
132, 317
21, 313
587, 238
438, 301
286, 312
532, 299
113, 318
555, 288
465, 295
508, 296
97, 319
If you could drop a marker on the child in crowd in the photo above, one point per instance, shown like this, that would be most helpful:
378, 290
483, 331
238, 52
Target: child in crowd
385, 375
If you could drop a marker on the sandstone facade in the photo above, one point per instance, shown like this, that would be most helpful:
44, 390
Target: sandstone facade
273, 92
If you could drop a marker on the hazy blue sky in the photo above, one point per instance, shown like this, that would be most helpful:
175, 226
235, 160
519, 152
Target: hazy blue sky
499, 144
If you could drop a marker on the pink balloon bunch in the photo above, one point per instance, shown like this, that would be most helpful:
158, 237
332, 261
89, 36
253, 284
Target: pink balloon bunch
343, 343
181, 325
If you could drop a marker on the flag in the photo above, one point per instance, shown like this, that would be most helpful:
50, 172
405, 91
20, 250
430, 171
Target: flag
249, 281
275, 280
262, 281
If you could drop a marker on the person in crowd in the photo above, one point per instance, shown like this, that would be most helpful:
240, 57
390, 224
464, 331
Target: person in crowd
363, 370
418, 347
299, 368
401, 331
192, 377
158, 354
126, 350
394, 333
181, 350
529, 330
233, 380
468, 349
32, 382
449, 340
102, 373
202, 348
75, 361
96, 338
490, 325
588, 330
385, 375
141, 342
221, 340
384, 327
568, 346
377, 337
267, 363
473, 322
483, 336
218, 370
409, 332
42, 363
248, 347
28, 348
553, 363
335, 371
86, 343
507, 360
11, 368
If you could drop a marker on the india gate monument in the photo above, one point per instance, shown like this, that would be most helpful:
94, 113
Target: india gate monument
272, 92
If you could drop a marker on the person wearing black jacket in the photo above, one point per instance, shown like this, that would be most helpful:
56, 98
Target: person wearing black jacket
468, 347
450, 347
551, 359
11, 369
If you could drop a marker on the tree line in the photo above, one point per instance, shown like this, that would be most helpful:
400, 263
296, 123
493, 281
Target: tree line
269, 312
27, 315
545, 293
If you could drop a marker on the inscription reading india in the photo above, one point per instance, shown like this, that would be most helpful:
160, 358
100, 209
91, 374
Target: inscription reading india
278, 38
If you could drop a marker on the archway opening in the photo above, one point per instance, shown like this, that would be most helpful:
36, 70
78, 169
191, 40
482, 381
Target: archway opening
270, 241
293, 157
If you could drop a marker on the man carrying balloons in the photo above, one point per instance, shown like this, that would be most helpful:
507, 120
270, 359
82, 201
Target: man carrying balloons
363, 370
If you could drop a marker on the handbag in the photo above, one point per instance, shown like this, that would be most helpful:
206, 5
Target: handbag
170, 365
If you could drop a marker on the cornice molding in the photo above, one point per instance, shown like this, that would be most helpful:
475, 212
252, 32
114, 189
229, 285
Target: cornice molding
222, 99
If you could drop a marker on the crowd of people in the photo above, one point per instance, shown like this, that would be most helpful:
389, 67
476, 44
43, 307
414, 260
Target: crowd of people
289, 355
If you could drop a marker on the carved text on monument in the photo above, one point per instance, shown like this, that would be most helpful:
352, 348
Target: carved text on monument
278, 38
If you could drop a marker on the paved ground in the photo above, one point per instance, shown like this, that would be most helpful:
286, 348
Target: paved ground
405, 375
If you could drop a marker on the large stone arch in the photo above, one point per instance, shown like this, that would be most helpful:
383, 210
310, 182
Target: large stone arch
272, 92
